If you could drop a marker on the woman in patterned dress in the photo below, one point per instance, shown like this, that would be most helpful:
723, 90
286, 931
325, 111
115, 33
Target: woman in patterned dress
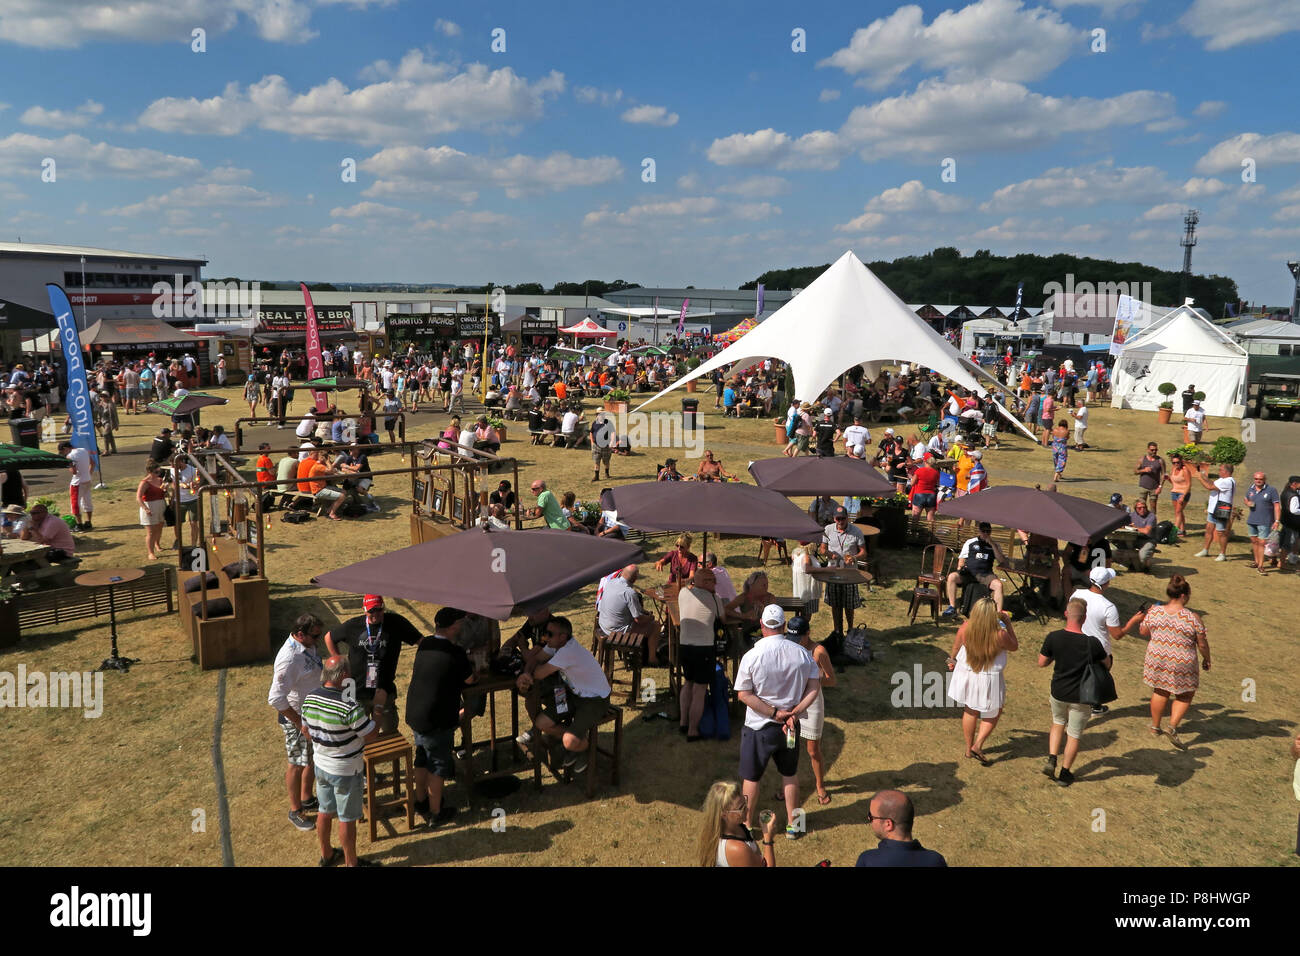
1060, 448
1174, 634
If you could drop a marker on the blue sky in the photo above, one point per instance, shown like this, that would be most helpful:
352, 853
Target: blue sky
527, 164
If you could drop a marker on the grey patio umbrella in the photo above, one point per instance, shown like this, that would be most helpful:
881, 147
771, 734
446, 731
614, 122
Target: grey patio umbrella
820, 476
1049, 513
493, 573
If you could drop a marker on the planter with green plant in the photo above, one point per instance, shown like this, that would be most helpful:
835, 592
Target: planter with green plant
1191, 454
1228, 451
692, 364
500, 425
1166, 409
616, 400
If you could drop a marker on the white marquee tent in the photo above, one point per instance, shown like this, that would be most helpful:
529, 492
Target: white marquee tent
1186, 349
845, 317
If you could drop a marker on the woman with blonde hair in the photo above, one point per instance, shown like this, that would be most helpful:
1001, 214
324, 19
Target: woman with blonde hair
979, 656
681, 561
724, 839
805, 586
747, 606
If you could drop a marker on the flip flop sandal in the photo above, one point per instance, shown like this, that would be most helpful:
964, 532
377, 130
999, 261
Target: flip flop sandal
823, 798
983, 760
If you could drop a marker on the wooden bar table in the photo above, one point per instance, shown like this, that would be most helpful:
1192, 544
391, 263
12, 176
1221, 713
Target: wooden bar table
490, 685
18, 557
110, 578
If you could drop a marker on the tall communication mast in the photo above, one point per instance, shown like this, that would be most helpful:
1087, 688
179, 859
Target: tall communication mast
1188, 240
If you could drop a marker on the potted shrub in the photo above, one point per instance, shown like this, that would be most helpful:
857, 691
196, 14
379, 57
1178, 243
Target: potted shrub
692, 364
1227, 451
616, 400
1166, 409
779, 424
500, 425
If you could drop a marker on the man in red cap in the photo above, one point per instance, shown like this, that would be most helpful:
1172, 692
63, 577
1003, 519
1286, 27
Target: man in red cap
372, 644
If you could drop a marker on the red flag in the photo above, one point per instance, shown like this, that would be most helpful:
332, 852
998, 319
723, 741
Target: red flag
315, 363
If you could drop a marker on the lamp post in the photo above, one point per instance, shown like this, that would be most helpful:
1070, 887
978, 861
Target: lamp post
1295, 299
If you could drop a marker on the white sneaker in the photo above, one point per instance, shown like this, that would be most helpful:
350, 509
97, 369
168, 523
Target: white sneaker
1201, 554
1222, 557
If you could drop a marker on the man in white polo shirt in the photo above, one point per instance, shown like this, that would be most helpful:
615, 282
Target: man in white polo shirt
1102, 621
857, 438
777, 682
573, 690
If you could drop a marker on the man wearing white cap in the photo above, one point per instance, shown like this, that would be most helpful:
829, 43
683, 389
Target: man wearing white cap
1102, 621
777, 682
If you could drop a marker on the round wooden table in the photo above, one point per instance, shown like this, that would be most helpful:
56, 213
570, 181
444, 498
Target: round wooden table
839, 575
110, 578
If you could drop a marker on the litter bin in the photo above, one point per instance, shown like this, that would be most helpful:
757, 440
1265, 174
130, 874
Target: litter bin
25, 432
690, 409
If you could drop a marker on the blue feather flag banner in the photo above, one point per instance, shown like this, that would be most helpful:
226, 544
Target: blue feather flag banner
77, 401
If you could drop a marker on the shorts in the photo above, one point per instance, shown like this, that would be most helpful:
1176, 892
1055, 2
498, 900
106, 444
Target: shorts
341, 796
151, 512
1210, 522
189, 509
600, 454
297, 745
131, 393
433, 752
79, 498
327, 495
1072, 716
801, 443
699, 662
386, 721
1177, 496
924, 501
968, 576
584, 712
1260, 531
1193, 436
1144, 494
757, 747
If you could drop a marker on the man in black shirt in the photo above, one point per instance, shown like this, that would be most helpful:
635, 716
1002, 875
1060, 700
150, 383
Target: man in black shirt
503, 496
1072, 652
373, 642
439, 673
826, 432
163, 448
1082, 558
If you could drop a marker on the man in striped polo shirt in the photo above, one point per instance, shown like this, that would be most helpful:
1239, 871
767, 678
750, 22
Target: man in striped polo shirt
339, 730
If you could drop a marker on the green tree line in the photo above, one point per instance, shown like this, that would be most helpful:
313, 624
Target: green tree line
946, 277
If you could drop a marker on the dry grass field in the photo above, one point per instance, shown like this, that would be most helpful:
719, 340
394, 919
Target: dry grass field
124, 789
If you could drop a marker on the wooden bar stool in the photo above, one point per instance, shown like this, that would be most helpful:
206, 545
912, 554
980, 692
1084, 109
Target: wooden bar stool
395, 750
614, 714
609, 647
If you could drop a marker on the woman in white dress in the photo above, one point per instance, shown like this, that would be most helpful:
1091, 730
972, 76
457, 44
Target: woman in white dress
979, 656
804, 585
814, 718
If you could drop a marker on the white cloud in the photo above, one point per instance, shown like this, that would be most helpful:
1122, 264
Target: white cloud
820, 149
446, 27
943, 119
863, 223
1273, 150
229, 174
62, 119
1166, 125
411, 100
1288, 213
1015, 229
409, 170
73, 153
65, 24
650, 116
912, 196
590, 94
1210, 108
185, 199
698, 209
1224, 24
1105, 7
1185, 140
828, 96
370, 210
1097, 183
757, 187
997, 39
1168, 210
690, 182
